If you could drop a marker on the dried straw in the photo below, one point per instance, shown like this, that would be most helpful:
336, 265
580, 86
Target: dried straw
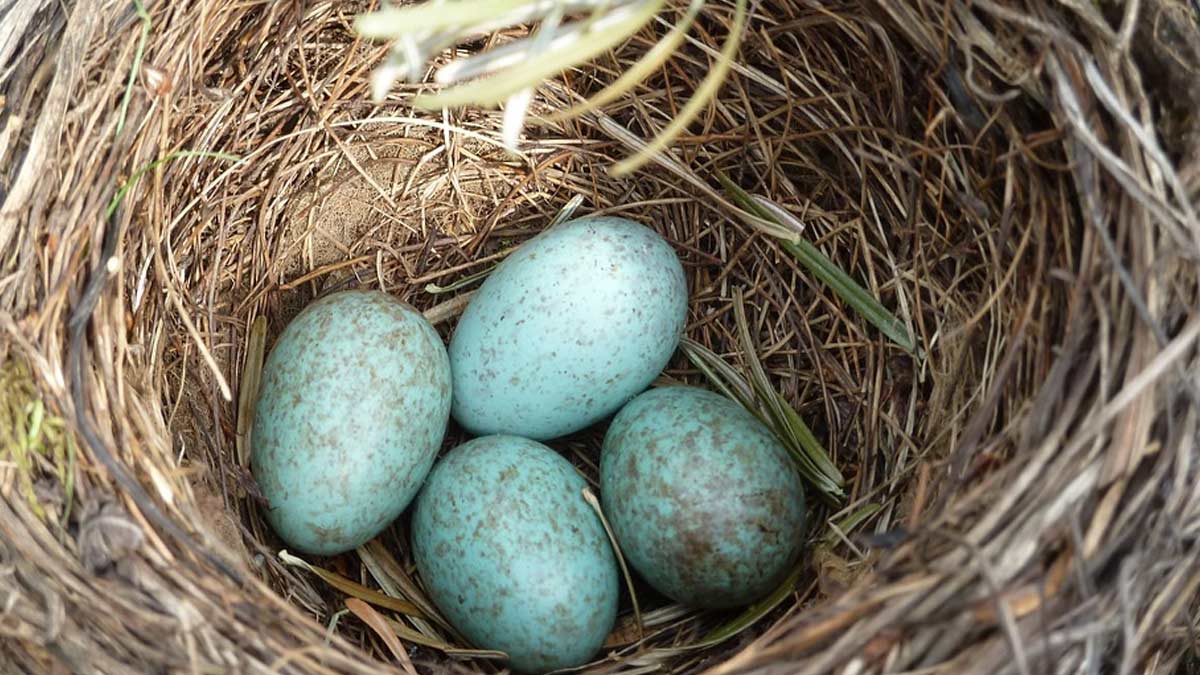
1016, 181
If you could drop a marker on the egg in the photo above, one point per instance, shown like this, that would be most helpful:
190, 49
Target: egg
352, 409
569, 327
513, 556
705, 502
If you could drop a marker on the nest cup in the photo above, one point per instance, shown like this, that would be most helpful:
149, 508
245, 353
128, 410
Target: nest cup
1015, 182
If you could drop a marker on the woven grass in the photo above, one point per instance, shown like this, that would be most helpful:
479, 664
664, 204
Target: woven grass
1017, 182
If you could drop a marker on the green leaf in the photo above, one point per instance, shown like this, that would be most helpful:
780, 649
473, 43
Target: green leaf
136, 66
248, 391
811, 456
851, 522
178, 154
434, 289
823, 268
773, 410
753, 613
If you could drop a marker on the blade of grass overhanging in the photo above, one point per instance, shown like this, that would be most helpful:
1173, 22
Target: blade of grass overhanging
512, 54
823, 268
495, 88
516, 107
640, 70
393, 21
353, 588
704, 93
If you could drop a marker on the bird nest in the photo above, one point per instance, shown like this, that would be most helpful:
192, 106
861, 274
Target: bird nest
1013, 440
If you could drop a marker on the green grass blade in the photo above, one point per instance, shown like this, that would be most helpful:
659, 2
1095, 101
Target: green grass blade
248, 391
722, 376
136, 66
434, 289
813, 448
851, 522
772, 410
799, 439
178, 154
853, 294
753, 613
823, 268
566, 212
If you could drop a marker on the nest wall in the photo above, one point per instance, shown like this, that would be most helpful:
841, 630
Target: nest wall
1017, 182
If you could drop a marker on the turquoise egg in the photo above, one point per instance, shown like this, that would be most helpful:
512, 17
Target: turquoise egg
513, 556
705, 502
568, 328
353, 406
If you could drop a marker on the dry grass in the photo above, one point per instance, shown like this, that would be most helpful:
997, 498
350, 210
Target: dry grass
1014, 181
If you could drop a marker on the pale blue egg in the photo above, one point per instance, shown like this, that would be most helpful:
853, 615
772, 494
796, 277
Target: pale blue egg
513, 556
353, 406
705, 502
573, 324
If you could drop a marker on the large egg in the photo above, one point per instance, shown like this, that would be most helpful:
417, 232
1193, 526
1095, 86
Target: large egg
568, 328
705, 502
353, 406
513, 556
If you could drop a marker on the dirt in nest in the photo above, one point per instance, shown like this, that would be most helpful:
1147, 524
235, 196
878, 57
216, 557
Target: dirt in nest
216, 517
379, 216
379, 199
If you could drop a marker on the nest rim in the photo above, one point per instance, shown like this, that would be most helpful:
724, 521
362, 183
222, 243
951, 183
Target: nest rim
1031, 403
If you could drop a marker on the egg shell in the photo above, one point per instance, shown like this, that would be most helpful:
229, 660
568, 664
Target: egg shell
513, 556
704, 501
353, 406
569, 327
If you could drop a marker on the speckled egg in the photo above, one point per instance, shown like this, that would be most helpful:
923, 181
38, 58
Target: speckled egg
513, 556
353, 406
568, 328
705, 502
